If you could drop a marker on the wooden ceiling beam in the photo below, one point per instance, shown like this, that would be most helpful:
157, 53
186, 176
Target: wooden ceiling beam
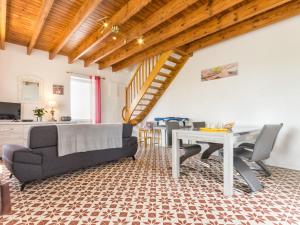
274, 16
186, 21
125, 13
85, 10
246, 11
164, 13
45, 9
3, 9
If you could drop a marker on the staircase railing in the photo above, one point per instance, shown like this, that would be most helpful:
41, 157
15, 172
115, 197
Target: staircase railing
139, 94
137, 81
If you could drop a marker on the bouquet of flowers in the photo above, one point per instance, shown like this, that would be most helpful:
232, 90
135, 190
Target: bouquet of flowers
39, 113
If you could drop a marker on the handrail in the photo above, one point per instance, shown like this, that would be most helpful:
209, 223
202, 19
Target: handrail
155, 68
137, 69
124, 112
139, 78
136, 105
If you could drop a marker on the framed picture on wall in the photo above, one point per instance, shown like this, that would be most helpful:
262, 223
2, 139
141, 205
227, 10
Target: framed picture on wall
220, 72
58, 89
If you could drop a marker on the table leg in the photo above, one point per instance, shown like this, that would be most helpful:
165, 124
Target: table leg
145, 138
175, 155
166, 139
228, 164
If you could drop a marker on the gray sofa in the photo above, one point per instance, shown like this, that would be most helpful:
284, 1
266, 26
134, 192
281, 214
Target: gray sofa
40, 160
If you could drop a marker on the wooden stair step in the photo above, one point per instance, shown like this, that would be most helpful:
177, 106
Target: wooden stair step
155, 88
135, 113
180, 52
142, 104
147, 99
158, 81
164, 74
174, 60
165, 66
150, 93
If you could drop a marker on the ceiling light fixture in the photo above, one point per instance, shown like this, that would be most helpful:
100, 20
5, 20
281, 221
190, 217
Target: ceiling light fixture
140, 40
105, 24
115, 29
103, 21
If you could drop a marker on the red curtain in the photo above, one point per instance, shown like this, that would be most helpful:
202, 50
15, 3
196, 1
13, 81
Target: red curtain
98, 99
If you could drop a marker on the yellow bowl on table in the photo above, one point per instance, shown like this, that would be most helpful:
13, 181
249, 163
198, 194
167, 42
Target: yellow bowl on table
206, 129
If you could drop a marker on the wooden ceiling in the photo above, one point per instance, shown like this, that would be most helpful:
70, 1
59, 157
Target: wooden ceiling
72, 27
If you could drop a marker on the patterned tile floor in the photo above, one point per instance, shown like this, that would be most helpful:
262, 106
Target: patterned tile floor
143, 192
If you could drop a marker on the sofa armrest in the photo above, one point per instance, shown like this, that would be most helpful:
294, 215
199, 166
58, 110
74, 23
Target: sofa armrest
21, 154
130, 142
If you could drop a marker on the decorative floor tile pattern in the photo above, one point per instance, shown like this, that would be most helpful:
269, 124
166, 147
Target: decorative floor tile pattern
143, 192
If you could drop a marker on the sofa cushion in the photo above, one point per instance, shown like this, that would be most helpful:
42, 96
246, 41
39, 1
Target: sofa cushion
42, 136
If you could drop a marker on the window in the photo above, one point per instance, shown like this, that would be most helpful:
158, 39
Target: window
81, 98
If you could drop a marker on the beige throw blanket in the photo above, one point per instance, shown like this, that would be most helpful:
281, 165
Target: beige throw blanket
88, 137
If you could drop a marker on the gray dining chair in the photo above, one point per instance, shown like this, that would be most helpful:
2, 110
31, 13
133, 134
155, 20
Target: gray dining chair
189, 150
256, 153
170, 126
212, 147
197, 125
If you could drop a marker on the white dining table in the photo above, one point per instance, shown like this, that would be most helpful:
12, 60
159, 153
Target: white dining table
229, 141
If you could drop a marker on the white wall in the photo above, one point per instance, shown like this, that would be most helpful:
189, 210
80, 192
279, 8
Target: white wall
114, 88
267, 89
14, 63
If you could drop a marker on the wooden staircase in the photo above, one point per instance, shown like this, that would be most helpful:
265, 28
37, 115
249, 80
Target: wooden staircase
152, 77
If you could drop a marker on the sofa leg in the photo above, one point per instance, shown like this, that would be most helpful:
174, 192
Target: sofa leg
133, 157
10, 176
22, 186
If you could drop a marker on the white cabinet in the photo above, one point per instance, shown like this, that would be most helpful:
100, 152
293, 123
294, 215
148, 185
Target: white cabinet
11, 134
26, 129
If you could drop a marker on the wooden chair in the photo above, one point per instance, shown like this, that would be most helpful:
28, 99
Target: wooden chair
151, 136
142, 135
157, 136
145, 134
